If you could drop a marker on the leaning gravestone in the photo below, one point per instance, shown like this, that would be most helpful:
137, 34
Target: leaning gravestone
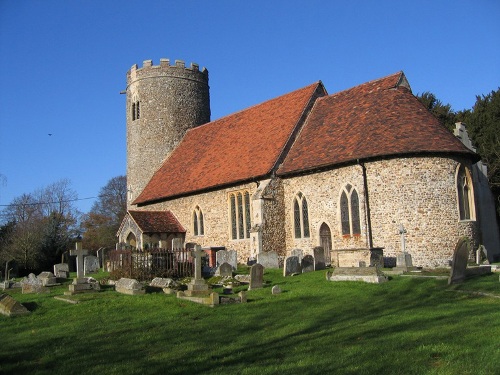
32, 284
256, 276
268, 259
227, 256
459, 263
292, 266
90, 264
225, 270
48, 279
129, 286
319, 258
10, 307
307, 263
298, 253
276, 289
61, 270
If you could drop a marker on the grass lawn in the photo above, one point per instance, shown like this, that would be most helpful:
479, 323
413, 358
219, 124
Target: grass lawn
315, 326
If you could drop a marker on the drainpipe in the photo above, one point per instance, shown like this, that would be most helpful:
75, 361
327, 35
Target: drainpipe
367, 206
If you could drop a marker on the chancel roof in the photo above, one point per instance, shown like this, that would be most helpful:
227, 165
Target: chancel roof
239, 147
156, 222
375, 119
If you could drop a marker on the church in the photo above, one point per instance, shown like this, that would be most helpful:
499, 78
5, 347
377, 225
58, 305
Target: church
356, 172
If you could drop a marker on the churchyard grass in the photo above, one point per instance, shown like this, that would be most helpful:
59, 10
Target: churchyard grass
315, 326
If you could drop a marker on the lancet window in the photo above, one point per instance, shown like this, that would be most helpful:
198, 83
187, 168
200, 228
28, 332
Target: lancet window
198, 225
300, 217
349, 211
239, 206
465, 194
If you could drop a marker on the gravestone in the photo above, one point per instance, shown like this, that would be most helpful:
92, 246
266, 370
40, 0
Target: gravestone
32, 284
101, 255
61, 270
482, 255
256, 276
227, 256
319, 258
10, 307
403, 260
48, 279
90, 264
225, 269
292, 265
163, 282
298, 253
276, 289
307, 263
129, 286
268, 259
459, 263
197, 285
81, 284
366, 274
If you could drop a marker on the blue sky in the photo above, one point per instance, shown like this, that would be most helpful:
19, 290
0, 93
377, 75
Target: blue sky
63, 64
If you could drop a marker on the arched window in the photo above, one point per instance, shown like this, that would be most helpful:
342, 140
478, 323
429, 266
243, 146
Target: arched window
198, 226
349, 212
465, 194
136, 110
239, 205
300, 217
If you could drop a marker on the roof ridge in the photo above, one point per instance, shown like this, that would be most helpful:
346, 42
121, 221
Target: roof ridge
401, 81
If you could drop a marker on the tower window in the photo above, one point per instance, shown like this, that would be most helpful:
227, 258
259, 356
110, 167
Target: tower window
136, 110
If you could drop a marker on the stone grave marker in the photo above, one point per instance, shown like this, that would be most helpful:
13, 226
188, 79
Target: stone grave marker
365, 274
276, 289
32, 284
256, 276
225, 269
61, 270
129, 286
268, 259
292, 266
10, 307
197, 286
48, 279
459, 263
307, 263
227, 256
298, 253
90, 264
319, 258
101, 255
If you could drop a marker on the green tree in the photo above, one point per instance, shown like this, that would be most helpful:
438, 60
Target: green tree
446, 116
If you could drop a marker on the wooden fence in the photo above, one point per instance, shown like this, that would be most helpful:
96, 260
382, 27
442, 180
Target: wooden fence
146, 265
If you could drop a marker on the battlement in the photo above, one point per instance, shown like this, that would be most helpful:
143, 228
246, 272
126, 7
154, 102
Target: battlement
178, 69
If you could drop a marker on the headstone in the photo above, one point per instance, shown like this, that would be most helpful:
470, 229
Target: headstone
307, 263
319, 258
10, 307
129, 286
459, 263
227, 256
61, 270
365, 274
48, 279
256, 276
197, 286
90, 264
298, 253
268, 259
32, 284
101, 254
160, 282
403, 260
225, 269
292, 266
482, 255
276, 289
79, 253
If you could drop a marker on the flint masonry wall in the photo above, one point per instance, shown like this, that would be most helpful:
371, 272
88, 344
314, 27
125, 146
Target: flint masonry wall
171, 99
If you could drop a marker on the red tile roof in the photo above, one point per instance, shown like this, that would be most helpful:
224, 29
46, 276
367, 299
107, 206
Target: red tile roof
236, 148
157, 222
378, 118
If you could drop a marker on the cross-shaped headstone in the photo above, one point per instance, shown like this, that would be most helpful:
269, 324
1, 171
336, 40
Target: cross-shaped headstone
197, 253
80, 253
402, 232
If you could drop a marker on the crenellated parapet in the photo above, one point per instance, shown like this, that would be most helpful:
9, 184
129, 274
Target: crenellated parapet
165, 68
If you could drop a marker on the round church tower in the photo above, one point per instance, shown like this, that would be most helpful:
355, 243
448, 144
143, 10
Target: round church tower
163, 102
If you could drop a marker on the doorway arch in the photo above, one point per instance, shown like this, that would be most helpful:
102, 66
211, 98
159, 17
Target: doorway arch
325, 241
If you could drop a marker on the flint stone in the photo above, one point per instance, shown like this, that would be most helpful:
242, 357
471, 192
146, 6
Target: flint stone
129, 286
227, 256
292, 266
90, 264
61, 270
10, 307
268, 259
225, 269
307, 263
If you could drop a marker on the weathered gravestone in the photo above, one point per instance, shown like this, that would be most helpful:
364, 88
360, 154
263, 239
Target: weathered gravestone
10, 307
32, 284
256, 276
90, 264
366, 274
227, 256
61, 270
101, 255
225, 269
48, 279
268, 259
168, 285
129, 286
276, 289
459, 263
298, 253
319, 258
307, 263
292, 266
